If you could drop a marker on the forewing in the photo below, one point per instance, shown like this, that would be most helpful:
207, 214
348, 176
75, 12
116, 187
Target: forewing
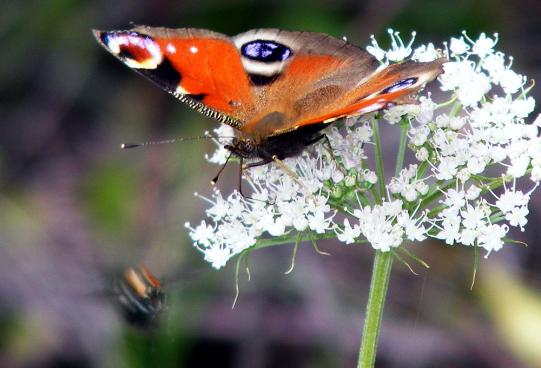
199, 67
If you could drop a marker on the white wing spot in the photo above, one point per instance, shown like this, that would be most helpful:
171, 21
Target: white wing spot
194, 50
181, 91
171, 48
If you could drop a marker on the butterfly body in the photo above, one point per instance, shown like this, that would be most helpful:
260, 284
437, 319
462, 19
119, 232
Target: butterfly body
282, 146
277, 88
139, 296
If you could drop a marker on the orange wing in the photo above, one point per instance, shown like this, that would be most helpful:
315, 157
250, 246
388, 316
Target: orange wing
266, 82
322, 79
200, 67
391, 86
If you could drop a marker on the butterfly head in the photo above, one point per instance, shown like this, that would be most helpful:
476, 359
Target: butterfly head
243, 147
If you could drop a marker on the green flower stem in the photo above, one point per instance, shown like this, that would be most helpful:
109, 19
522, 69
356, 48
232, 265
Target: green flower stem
455, 110
374, 309
404, 124
379, 161
423, 166
436, 191
289, 238
383, 261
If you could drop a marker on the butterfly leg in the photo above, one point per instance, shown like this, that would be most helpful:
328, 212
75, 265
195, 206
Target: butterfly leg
257, 163
329, 148
316, 139
243, 167
290, 172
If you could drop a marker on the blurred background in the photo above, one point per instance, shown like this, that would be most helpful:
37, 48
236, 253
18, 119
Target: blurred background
75, 210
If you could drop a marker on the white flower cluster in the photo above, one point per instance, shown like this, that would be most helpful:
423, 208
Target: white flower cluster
468, 146
407, 184
278, 204
384, 226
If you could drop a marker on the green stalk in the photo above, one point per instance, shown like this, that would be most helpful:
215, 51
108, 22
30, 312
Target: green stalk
374, 309
288, 239
379, 161
404, 124
457, 107
383, 261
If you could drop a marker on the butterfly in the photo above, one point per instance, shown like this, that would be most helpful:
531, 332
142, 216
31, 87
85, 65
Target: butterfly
278, 89
139, 296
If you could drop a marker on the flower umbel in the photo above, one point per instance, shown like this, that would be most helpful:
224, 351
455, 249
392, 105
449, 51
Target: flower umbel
469, 144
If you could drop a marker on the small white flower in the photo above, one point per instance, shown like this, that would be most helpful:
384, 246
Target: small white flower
219, 156
318, 222
473, 217
371, 177
476, 165
375, 50
457, 122
473, 192
458, 46
454, 198
518, 166
276, 228
447, 169
399, 51
522, 107
517, 217
414, 230
468, 236
202, 233
450, 232
473, 87
494, 64
469, 84
217, 256
510, 81
348, 234
394, 114
454, 73
421, 154
425, 109
484, 45
511, 199
491, 237
425, 53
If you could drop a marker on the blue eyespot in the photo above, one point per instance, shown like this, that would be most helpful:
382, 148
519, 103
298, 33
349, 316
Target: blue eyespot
265, 51
404, 83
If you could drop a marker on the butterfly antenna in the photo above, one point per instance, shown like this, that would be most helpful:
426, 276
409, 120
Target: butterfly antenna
165, 141
207, 135
215, 180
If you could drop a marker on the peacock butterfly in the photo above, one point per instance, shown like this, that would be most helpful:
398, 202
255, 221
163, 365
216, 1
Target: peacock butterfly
139, 297
277, 88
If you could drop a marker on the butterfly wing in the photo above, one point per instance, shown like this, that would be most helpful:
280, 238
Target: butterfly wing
303, 78
295, 75
200, 67
393, 85
266, 82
